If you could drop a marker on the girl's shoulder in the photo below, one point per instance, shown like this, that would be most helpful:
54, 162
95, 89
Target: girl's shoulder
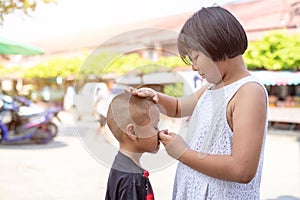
251, 85
251, 93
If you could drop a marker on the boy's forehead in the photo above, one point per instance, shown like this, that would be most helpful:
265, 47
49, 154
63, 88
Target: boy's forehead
154, 109
147, 116
130, 109
154, 112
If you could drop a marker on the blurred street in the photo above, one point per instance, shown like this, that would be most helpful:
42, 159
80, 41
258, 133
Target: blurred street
67, 169
76, 55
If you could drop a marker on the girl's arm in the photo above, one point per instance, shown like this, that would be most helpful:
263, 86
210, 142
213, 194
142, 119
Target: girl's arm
248, 121
171, 106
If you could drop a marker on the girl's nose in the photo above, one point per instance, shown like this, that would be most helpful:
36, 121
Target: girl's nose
194, 68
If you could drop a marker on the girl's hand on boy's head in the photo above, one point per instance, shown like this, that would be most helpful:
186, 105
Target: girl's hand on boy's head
145, 92
174, 144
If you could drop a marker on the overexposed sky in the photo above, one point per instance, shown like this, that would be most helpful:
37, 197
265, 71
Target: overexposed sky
69, 16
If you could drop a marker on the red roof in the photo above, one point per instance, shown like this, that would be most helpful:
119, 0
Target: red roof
260, 16
257, 17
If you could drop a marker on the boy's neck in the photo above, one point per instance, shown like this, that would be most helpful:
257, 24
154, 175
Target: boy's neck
135, 157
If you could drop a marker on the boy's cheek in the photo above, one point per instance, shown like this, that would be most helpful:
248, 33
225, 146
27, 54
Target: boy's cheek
150, 136
146, 133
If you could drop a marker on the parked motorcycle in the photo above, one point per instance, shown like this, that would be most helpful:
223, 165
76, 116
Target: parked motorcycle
22, 123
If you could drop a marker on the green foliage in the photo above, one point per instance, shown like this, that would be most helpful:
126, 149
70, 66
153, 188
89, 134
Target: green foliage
171, 61
107, 62
175, 90
5, 71
53, 68
127, 63
276, 51
23, 6
96, 64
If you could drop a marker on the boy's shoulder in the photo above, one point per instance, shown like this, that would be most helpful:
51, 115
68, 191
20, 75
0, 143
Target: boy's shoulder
124, 164
125, 176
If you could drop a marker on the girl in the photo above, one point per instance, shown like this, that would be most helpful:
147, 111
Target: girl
222, 157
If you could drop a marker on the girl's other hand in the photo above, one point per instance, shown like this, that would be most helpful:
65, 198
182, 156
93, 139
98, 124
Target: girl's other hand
174, 144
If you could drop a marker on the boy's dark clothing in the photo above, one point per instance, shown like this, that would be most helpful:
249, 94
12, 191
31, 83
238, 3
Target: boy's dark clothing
128, 181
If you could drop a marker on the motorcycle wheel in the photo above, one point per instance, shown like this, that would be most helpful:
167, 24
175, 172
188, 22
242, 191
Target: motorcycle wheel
1, 135
51, 131
43, 140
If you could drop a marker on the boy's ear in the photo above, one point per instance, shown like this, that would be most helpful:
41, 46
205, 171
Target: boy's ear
130, 130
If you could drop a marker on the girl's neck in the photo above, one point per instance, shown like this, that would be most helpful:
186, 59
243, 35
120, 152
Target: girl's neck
235, 70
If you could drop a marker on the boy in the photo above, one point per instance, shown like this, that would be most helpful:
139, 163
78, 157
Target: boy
134, 123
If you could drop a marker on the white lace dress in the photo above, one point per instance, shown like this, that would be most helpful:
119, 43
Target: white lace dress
209, 132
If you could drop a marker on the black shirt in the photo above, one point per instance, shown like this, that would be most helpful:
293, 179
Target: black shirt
128, 181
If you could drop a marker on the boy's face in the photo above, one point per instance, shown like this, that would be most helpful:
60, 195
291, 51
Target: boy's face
148, 134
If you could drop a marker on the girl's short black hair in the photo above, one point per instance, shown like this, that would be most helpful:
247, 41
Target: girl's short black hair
215, 32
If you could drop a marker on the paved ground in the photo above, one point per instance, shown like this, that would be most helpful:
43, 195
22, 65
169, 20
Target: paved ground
71, 167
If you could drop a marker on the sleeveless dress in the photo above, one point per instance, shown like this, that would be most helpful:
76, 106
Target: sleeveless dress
210, 133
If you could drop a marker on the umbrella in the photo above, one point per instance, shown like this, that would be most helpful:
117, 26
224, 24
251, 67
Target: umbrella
9, 47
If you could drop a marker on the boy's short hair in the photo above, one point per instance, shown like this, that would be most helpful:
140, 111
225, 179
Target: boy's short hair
215, 32
126, 108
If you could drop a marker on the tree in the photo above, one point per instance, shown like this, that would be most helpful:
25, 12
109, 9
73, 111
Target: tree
55, 67
23, 6
277, 50
96, 64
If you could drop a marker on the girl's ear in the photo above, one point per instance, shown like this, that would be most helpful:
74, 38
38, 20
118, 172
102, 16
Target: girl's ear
130, 130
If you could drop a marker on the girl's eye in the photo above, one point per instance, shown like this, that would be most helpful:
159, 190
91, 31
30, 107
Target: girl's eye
190, 58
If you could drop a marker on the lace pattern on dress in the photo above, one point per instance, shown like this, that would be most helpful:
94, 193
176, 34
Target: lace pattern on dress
210, 133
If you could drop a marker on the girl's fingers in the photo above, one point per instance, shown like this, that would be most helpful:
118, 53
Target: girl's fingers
145, 92
164, 136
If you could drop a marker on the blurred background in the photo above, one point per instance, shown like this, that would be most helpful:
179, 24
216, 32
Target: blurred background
56, 40
76, 55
